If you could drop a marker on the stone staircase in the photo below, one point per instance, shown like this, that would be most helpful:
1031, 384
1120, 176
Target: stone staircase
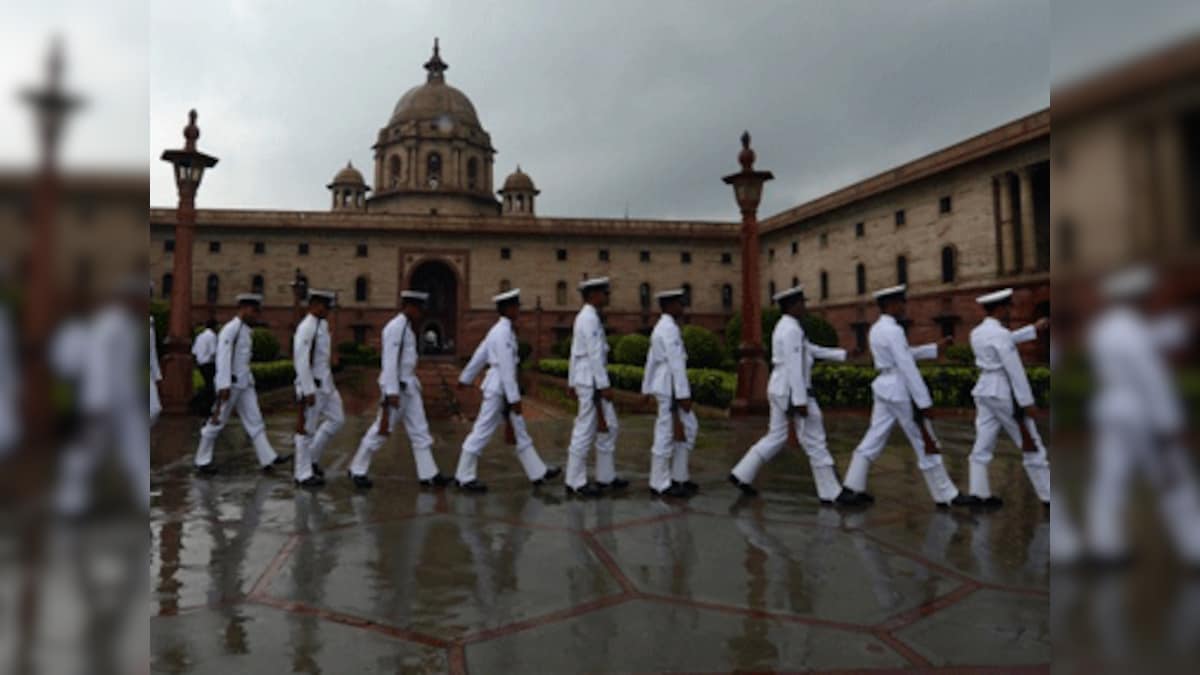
439, 383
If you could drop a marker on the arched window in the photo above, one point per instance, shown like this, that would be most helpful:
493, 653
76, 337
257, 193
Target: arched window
433, 168
687, 295
505, 285
394, 171
727, 296
901, 269
770, 291
212, 289
644, 295
824, 285
521, 203
795, 281
360, 289
860, 277
168, 284
256, 284
949, 265
472, 173
560, 293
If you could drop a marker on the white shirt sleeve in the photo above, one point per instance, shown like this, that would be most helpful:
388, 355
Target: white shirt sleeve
597, 352
1007, 351
389, 359
155, 371
925, 352
1024, 334
224, 377
677, 360
500, 353
302, 346
794, 362
478, 360
904, 358
826, 353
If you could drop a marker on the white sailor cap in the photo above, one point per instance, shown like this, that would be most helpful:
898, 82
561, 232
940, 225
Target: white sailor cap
318, 294
671, 293
995, 297
882, 293
788, 293
249, 298
506, 296
419, 296
1129, 283
598, 282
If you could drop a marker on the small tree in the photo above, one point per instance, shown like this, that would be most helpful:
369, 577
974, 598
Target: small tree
264, 345
703, 347
632, 349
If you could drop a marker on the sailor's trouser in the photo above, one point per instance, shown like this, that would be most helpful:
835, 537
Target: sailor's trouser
491, 416
884, 415
993, 415
810, 430
669, 457
245, 401
124, 430
585, 435
410, 410
322, 420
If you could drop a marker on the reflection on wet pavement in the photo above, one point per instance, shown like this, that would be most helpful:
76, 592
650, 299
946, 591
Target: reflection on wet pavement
249, 574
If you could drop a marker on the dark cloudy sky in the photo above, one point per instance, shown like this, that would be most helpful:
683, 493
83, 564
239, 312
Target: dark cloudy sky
604, 103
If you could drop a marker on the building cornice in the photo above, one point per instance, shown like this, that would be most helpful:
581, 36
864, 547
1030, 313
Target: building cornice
540, 226
1023, 130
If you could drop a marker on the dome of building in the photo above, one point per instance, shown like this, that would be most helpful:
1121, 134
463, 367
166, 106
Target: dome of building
348, 175
435, 100
518, 181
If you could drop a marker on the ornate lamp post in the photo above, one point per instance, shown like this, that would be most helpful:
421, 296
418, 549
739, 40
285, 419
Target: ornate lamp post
189, 165
751, 396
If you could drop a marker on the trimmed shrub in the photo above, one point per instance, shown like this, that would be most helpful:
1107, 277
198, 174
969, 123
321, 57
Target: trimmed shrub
555, 367
960, 354
353, 354
703, 348
817, 330
265, 346
631, 350
562, 348
524, 349
612, 342
271, 374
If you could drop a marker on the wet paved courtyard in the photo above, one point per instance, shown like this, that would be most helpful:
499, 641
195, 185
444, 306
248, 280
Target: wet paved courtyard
249, 574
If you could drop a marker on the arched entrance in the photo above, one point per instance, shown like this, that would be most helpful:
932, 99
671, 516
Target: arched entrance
439, 329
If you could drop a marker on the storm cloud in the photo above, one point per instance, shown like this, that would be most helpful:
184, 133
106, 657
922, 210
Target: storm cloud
609, 106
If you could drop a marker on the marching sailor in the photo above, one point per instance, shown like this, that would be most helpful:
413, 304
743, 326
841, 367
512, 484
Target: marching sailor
235, 390
900, 397
401, 391
665, 378
1002, 381
321, 414
501, 399
596, 421
792, 402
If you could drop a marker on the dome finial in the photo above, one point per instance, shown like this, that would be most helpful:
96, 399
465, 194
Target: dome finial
435, 65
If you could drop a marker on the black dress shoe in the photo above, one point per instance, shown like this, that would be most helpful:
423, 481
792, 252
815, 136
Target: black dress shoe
360, 482
438, 480
279, 460
313, 481
473, 486
317, 470
848, 497
588, 490
866, 497
676, 490
691, 486
746, 488
551, 473
992, 502
209, 469
616, 484
959, 500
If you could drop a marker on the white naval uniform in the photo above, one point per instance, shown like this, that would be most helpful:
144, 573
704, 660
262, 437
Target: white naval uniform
311, 353
233, 373
397, 377
204, 347
112, 408
666, 379
1137, 417
499, 353
897, 387
587, 372
155, 378
792, 358
1002, 378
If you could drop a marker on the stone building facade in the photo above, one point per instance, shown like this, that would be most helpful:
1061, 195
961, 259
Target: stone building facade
432, 222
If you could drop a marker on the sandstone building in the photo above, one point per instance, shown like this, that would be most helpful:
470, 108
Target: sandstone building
969, 217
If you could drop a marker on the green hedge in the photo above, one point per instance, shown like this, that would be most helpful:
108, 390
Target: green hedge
268, 375
354, 354
703, 347
835, 385
264, 345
